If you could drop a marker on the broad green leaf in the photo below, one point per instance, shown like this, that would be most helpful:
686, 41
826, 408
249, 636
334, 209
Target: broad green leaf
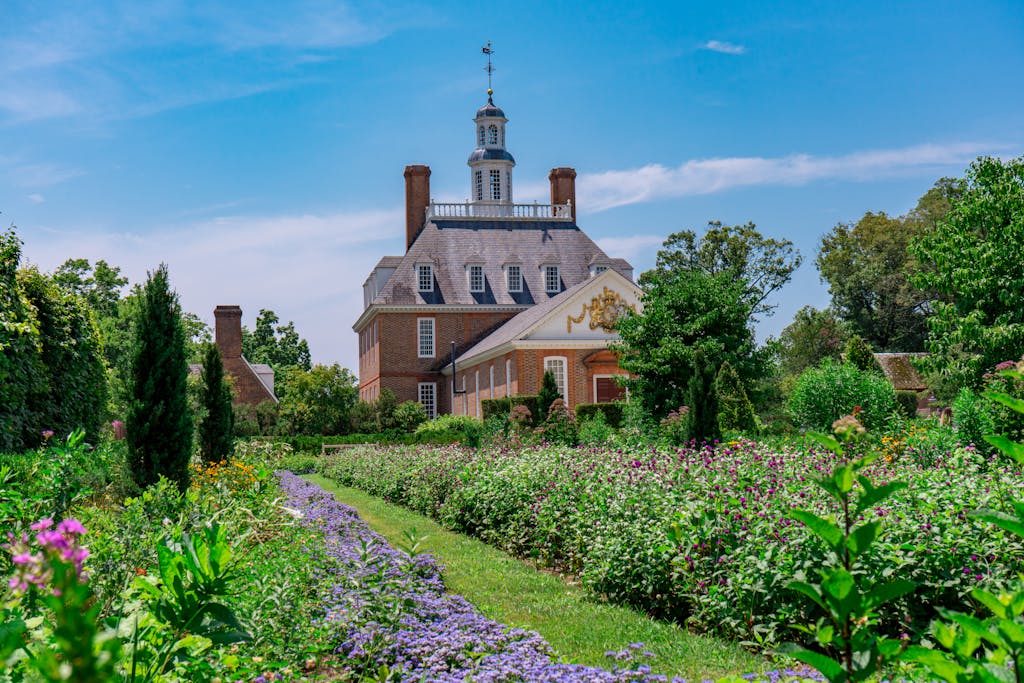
975, 626
1015, 404
996, 673
873, 495
1008, 447
829, 668
879, 595
828, 441
1002, 520
1012, 632
937, 662
862, 537
843, 477
840, 591
822, 528
825, 634
810, 590
993, 603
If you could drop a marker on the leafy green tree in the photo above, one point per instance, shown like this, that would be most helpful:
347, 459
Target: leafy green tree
159, 423
859, 354
740, 251
546, 396
217, 426
73, 393
276, 345
21, 367
735, 410
100, 284
384, 410
685, 312
703, 399
812, 337
972, 259
867, 266
409, 415
320, 400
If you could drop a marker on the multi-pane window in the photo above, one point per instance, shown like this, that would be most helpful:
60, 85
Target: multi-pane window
492, 134
425, 337
600, 269
428, 398
478, 181
476, 278
495, 184
552, 281
515, 278
556, 366
480, 137
425, 277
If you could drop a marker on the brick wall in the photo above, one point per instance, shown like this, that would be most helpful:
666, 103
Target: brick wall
245, 385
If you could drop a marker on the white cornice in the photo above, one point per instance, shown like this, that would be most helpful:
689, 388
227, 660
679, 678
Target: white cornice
528, 344
434, 308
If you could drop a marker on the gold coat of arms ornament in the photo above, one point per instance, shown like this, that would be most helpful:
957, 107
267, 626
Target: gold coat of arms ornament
604, 309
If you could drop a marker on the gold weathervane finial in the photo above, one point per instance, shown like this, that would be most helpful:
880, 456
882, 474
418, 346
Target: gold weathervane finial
489, 68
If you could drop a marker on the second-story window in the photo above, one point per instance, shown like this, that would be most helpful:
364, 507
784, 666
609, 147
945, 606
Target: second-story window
425, 277
425, 337
515, 278
495, 184
476, 278
552, 280
492, 134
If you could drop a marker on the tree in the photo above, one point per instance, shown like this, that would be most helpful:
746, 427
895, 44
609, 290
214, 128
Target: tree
735, 411
319, 401
867, 267
217, 427
99, 285
280, 346
159, 424
687, 313
703, 400
812, 337
763, 264
972, 260
546, 396
859, 354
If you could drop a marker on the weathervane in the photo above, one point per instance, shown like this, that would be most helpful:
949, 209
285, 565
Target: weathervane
489, 68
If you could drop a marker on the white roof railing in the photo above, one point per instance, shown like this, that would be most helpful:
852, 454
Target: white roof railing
471, 210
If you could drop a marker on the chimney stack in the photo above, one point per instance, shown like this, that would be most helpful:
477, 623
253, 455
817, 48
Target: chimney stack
417, 197
563, 187
228, 331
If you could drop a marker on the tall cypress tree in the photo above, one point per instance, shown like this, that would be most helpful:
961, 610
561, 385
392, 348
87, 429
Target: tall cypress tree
546, 396
703, 399
159, 423
734, 408
215, 431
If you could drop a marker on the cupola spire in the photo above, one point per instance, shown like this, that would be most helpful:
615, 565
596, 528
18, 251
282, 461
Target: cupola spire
490, 163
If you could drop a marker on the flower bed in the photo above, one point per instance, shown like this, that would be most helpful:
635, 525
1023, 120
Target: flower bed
392, 614
704, 537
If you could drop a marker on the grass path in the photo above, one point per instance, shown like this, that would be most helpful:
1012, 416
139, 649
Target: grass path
512, 592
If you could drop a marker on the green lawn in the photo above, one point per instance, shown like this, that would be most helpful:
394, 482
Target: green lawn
512, 592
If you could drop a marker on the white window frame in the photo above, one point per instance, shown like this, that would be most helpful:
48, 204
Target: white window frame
563, 385
422, 268
480, 137
492, 134
508, 377
480, 285
494, 184
518, 288
479, 180
421, 341
548, 270
428, 401
476, 391
491, 385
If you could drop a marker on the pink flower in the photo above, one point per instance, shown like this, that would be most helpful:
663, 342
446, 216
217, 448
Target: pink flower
42, 524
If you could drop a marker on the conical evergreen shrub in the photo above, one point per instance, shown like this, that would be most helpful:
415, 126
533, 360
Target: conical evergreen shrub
216, 429
546, 396
159, 423
859, 354
735, 411
703, 400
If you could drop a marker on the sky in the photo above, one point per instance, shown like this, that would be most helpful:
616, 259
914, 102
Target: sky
257, 148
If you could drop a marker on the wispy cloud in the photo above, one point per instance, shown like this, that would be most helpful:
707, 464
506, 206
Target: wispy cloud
724, 47
629, 248
36, 198
602, 191
306, 268
34, 175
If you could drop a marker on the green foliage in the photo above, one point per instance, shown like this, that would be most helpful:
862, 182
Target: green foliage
684, 313
859, 354
280, 346
546, 396
409, 415
531, 402
703, 401
735, 412
972, 261
159, 424
491, 407
850, 602
318, 401
21, 368
826, 393
100, 285
907, 401
594, 430
217, 427
467, 429
741, 253
611, 413
384, 409
73, 392
812, 337
560, 425
973, 419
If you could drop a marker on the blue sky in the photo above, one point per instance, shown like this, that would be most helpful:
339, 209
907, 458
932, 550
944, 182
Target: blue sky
258, 148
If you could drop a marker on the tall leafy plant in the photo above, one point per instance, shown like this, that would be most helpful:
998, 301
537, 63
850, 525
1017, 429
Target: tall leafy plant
546, 396
217, 427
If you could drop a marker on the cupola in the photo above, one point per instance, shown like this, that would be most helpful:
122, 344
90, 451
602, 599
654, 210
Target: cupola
490, 163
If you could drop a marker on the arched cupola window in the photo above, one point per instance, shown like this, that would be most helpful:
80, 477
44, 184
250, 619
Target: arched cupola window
480, 137
492, 134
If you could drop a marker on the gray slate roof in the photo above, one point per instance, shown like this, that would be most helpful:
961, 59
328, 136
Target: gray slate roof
450, 245
389, 262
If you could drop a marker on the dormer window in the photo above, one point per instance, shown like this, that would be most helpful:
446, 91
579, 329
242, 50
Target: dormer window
492, 134
425, 277
552, 280
476, 278
515, 278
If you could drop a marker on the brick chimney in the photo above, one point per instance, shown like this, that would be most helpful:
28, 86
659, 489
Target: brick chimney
563, 187
417, 197
227, 331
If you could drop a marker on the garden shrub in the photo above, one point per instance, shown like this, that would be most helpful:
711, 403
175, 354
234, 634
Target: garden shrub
489, 407
611, 413
973, 419
546, 396
532, 404
735, 411
703, 401
907, 401
826, 393
1006, 421
217, 426
409, 415
859, 354
594, 430
464, 427
560, 425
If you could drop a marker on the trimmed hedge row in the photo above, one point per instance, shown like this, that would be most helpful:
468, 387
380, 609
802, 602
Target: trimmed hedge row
584, 411
315, 442
612, 413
